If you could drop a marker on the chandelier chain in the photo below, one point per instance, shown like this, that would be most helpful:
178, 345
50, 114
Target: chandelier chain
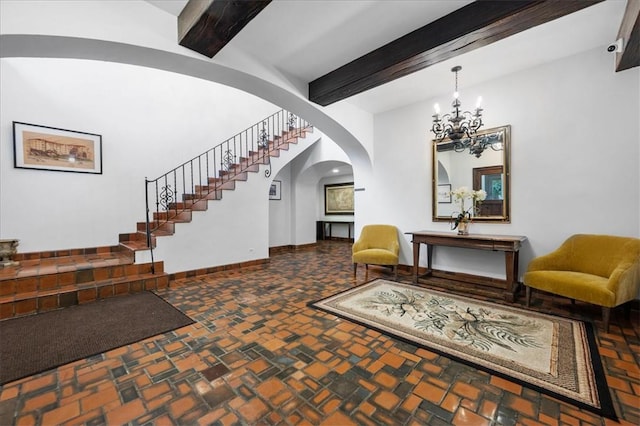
456, 72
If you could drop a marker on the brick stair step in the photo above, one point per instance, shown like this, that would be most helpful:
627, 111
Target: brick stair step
244, 167
210, 192
34, 266
66, 276
233, 175
70, 254
173, 215
161, 233
259, 157
137, 245
136, 241
214, 195
190, 197
132, 236
251, 167
41, 301
162, 228
193, 205
247, 162
222, 183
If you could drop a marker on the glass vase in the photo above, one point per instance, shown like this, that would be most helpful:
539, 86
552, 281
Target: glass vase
463, 227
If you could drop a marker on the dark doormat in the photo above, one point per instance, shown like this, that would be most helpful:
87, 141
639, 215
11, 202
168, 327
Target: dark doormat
33, 344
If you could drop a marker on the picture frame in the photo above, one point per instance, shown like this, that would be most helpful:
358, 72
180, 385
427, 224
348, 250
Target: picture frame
339, 198
444, 193
49, 148
275, 190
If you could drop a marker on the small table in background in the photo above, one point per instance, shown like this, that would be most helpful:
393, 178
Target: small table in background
322, 233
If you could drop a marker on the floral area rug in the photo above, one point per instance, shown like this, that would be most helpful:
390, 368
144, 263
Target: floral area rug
550, 354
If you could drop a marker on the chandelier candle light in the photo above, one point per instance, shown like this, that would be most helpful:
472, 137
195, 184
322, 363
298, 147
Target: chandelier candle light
458, 124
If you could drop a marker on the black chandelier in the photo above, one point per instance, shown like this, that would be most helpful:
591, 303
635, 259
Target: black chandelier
458, 125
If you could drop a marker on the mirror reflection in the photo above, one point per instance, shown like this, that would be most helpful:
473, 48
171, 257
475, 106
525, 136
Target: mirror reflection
478, 164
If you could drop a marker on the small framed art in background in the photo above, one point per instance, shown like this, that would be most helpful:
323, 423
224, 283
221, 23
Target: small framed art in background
275, 190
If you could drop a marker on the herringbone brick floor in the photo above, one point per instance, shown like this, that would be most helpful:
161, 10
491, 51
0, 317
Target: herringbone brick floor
257, 355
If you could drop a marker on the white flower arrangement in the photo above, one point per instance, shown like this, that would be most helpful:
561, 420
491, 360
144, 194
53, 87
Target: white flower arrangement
459, 195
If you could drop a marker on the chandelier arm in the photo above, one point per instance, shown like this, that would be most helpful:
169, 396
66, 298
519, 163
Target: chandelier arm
440, 129
459, 146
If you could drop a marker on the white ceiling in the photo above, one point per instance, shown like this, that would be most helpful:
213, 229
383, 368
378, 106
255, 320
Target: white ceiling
306, 39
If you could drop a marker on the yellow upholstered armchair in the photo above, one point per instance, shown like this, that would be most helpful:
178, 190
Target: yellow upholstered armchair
377, 245
599, 269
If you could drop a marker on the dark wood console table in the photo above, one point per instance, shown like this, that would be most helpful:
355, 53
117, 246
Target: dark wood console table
323, 235
509, 244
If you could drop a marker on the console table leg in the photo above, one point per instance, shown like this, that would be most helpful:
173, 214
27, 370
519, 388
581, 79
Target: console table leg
511, 264
429, 257
416, 261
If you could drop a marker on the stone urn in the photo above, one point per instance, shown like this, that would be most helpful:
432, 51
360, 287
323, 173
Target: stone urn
8, 248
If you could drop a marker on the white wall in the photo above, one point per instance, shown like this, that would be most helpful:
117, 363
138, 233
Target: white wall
227, 233
150, 122
280, 212
575, 160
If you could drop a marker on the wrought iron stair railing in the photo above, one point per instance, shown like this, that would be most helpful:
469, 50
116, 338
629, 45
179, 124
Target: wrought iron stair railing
189, 186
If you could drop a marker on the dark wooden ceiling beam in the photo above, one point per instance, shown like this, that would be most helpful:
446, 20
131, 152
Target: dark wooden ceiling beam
206, 26
630, 34
475, 25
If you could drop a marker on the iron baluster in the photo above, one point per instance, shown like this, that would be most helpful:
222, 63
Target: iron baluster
146, 199
227, 160
200, 176
263, 139
206, 166
292, 121
264, 144
157, 205
192, 189
166, 198
147, 225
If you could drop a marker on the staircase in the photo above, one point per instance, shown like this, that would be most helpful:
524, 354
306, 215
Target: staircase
45, 281
189, 187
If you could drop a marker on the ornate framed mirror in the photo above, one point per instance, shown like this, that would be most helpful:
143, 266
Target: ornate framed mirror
485, 166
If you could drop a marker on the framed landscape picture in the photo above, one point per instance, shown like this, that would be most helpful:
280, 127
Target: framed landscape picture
338, 198
49, 148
